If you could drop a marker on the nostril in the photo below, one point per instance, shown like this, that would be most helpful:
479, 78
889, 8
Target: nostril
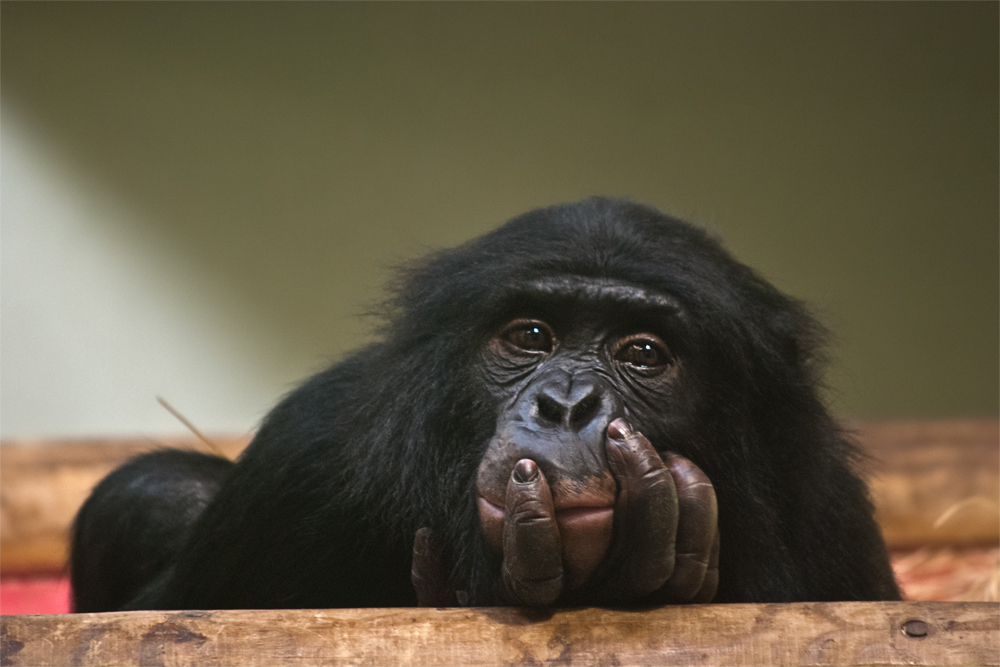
584, 412
549, 409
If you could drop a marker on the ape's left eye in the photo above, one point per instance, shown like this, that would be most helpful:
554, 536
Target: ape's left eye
529, 335
643, 351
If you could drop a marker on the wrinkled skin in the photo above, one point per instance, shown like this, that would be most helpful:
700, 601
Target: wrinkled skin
652, 556
580, 508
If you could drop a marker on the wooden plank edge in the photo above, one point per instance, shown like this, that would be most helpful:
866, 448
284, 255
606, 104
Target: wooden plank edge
832, 633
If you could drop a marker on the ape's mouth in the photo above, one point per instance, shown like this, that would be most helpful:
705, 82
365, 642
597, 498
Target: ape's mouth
574, 514
585, 528
583, 514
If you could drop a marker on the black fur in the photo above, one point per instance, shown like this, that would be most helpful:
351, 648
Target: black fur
321, 509
136, 522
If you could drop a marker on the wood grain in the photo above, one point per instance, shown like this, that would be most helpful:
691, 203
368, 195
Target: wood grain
833, 633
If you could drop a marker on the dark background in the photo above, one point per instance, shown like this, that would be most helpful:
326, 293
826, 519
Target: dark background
849, 151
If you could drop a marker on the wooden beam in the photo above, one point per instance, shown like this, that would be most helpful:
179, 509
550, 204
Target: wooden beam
43, 484
833, 633
935, 483
921, 471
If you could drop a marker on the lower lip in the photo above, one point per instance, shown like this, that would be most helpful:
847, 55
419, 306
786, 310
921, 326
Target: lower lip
582, 517
580, 514
585, 536
491, 510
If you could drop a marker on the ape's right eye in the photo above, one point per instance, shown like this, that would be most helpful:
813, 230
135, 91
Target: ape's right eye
529, 335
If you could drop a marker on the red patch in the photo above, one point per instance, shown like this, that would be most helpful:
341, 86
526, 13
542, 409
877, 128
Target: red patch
34, 595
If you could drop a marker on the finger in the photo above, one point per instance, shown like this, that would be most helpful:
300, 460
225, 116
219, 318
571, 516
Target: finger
711, 583
429, 572
532, 572
696, 530
645, 515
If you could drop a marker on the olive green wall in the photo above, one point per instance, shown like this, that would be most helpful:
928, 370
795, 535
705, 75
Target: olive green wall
294, 152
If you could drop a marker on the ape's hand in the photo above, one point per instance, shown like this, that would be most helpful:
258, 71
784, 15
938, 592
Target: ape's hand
665, 546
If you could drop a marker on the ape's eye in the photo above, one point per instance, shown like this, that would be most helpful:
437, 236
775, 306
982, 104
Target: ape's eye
529, 335
643, 351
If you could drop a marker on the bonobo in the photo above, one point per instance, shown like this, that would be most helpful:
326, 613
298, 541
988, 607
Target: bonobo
592, 404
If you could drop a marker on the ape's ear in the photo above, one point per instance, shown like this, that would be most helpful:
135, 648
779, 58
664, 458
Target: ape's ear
429, 572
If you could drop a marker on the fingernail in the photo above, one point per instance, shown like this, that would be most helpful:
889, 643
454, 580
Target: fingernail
525, 471
619, 430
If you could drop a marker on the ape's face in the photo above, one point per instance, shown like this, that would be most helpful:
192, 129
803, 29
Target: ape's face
576, 354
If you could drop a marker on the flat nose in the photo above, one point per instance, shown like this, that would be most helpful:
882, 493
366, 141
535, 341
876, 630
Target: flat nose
570, 402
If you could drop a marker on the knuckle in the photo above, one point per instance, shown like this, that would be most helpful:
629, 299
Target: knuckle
530, 511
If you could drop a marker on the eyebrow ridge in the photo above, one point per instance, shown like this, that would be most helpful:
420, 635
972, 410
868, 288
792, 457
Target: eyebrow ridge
602, 289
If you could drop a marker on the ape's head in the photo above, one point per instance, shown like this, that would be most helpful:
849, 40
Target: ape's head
568, 318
